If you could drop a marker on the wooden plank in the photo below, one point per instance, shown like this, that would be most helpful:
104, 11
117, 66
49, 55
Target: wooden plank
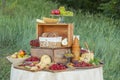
53, 24
38, 52
70, 34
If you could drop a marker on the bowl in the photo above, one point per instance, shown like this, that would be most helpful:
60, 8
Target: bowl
50, 20
16, 61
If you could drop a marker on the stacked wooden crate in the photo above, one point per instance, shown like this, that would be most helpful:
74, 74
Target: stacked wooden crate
57, 54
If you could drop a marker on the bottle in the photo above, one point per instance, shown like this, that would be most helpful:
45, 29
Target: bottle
76, 50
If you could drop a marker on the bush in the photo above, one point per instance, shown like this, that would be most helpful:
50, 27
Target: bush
111, 8
85, 5
107, 7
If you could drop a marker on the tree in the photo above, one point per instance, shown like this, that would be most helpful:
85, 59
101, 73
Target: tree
111, 8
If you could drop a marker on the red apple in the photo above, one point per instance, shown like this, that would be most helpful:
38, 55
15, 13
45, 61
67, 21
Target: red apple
57, 12
53, 12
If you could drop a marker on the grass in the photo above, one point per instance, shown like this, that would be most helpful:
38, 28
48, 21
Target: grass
18, 28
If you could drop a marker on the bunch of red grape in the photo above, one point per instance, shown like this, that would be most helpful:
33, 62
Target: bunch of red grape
32, 58
82, 64
35, 43
31, 61
57, 67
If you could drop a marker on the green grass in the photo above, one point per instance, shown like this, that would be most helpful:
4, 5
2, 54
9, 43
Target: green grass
101, 34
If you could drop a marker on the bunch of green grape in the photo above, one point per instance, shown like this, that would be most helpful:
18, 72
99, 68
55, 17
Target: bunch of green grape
68, 55
63, 12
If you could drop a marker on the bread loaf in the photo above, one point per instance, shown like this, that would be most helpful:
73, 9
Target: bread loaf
50, 34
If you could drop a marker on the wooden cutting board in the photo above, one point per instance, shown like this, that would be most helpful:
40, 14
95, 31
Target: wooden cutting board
26, 69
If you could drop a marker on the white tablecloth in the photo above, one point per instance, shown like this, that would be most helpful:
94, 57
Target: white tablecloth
81, 74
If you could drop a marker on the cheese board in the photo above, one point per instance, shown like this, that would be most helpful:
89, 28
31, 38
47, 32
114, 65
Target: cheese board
89, 67
55, 71
25, 68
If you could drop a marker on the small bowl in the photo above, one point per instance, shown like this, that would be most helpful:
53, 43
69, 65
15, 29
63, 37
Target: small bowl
16, 61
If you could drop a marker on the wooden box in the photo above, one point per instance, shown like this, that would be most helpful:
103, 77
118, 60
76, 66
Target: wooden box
64, 30
56, 54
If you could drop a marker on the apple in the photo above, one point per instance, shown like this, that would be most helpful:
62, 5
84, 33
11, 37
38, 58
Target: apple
57, 12
53, 12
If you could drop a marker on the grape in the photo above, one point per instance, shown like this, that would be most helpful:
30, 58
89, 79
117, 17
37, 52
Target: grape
34, 43
57, 67
62, 8
63, 12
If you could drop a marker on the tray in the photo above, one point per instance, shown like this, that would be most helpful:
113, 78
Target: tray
90, 67
55, 71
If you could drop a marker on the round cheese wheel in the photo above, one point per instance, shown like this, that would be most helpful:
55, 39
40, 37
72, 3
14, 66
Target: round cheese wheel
64, 41
45, 59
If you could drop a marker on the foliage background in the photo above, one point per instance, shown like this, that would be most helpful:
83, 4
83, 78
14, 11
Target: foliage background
109, 8
18, 27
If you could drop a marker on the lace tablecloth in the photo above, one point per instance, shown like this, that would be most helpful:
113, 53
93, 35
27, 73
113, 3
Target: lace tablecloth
79, 74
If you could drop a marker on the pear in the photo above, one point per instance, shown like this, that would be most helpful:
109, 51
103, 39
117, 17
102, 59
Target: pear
14, 56
19, 56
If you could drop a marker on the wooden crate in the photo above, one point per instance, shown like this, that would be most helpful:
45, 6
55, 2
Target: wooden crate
56, 54
64, 30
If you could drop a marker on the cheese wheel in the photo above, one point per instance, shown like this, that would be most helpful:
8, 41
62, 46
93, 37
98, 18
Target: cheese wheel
46, 59
64, 42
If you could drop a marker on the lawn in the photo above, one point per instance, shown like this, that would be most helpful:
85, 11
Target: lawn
101, 33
